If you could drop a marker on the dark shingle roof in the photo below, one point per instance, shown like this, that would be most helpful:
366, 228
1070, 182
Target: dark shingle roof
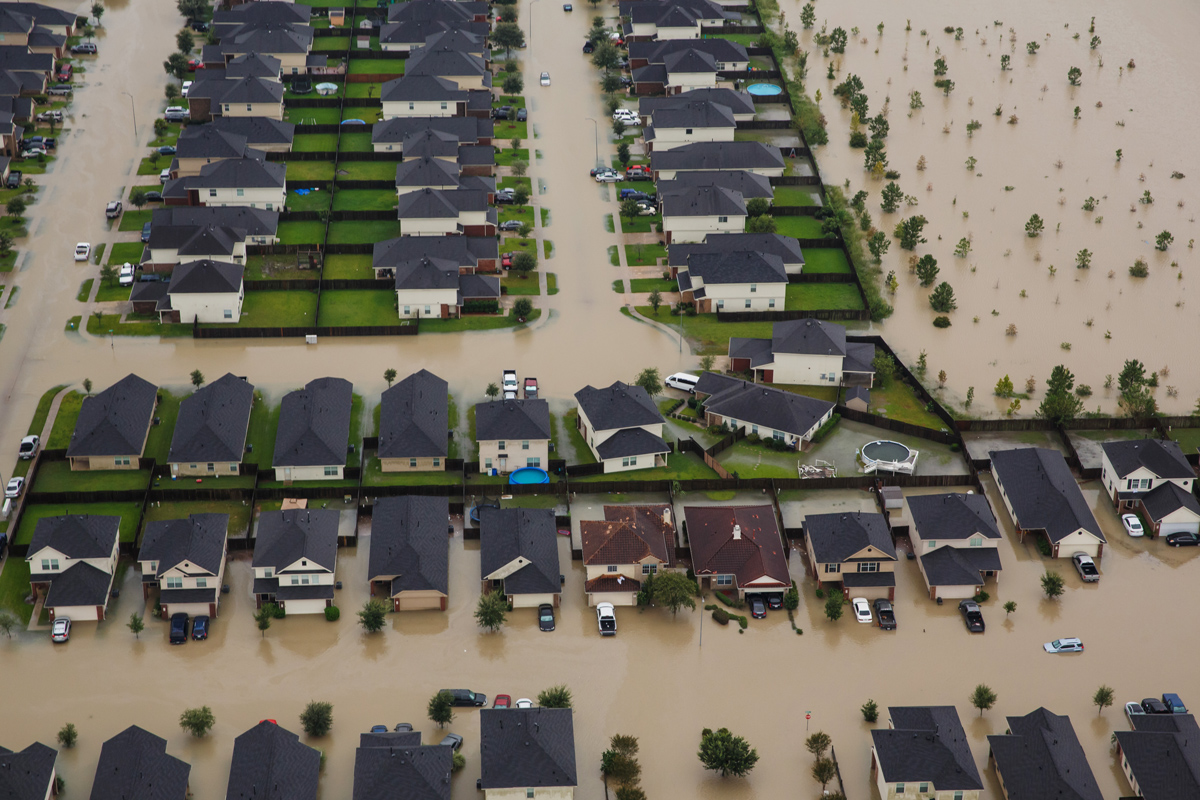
199, 540
134, 765
314, 424
736, 268
717, 156
206, 276
737, 102
526, 747
270, 763
239, 173
1043, 493
285, 537
115, 421
447, 10
76, 535
512, 419
694, 114
427, 171
722, 51
26, 775
413, 418
809, 337
632, 442
409, 543
757, 350
747, 184
426, 273
439, 203
213, 422
207, 141
465, 251
837, 537
283, 12
767, 407
1163, 752
689, 61
1164, 458
618, 406
414, 773
1168, 497
703, 201
421, 88
259, 131
787, 248
1041, 759
629, 534
928, 743
509, 534
254, 65
959, 566
442, 61
79, 585
756, 552
953, 516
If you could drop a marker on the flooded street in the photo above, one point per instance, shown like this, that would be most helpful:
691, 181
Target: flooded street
1143, 112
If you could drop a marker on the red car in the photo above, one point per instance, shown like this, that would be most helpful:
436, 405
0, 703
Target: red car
194, 64
506, 260
502, 701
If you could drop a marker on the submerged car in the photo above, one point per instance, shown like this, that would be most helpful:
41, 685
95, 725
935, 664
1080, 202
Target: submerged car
1133, 710
545, 80
1152, 705
502, 701
1064, 646
972, 616
179, 629
862, 610
452, 740
200, 627
61, 631
546, 617
465, 697
1133, 525
758, 609
885, 614
1086, 567
775, 601
524, 702
607, 619
83, 251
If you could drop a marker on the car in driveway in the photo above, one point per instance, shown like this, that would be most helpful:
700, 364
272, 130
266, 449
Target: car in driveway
179, 629
60, 90
1133, 710
200, 627
452, 740
885, 614
972, 616
146, 232
14, 179
84, 49
545, 79
166, 150
862, 610
606, 618
29, 447
633, 194
502, 112
53, 115
608, 176
510, 225
33, 152
1070, 645
1132, 525
524, 702
1174, 702
465, 697
1182, 539
644, 209
522, 114
61, 630
775, 601
758, 608
1152, 705
545, 617
14, 487
1086, 567
153, 197
83, 251
503, 196
125, 278
502, 701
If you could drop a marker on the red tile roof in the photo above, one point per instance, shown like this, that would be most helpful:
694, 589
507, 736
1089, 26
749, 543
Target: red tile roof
757, 552
629, 535
610, 583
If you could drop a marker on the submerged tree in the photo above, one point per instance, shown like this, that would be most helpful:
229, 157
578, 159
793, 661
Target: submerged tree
723, 752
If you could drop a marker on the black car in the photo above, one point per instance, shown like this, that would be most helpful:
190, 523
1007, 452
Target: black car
3, 542
1152, 705
146, 233
758, 609
50, 144
510, 225
166, 150
199, 26
626, 80
885, 614
522, 114
200, 627
179, 628
775, 601
972, 616
14, 179
465, 697
588, 47
150, 277
546, 617
505, 196
1182, 539
153, 197
503, 112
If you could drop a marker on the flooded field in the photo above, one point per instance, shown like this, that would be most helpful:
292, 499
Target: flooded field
1045, 162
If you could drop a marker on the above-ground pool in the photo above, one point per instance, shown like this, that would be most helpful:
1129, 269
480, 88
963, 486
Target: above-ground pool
475, 510
325, 89
764, 89
888, 455
529, 475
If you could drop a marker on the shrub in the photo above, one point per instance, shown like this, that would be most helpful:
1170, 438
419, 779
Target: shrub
858, 139
721, 616
826, 429
870, 711
941, 322
982, 597
317, 718
332, 613
481, 307
1139, 269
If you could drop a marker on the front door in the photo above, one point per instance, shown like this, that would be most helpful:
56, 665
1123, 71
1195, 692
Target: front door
503, 463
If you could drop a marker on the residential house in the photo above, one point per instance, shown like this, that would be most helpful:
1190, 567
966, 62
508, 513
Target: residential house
406, 133
71, 560
185, 558
668, 19
434, 287
728, 55
518, 550
512, 434
721, 156
471, 253
853, 552
785, 247
422, 96
253, 65
312, 440
396, 764
291, 43
1042, 498
440, 61
439, 173
741, 104
742, 281
38, 67
179, 234
811, 352
413, 424
249, 182
1161, 756
262, 133
527, 752
956, 540
201, 145
622, 427
295, 558
747, 184
113, 426
437, 212
694, 121
261, 11
270, 762
410, 552
691, 213
762, 410
60, 22
737, 549
621, 550
29, 774
1040, 758
204, 291
411, 34
924, 752
1152, 477
15, 27
248, 96
135, 764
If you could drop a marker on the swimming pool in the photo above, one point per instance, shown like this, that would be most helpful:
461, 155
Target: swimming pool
764, 89
884, 454
527, 475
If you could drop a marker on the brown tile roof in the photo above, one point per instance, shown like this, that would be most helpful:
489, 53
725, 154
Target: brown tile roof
756, 553
609, 583
629, 535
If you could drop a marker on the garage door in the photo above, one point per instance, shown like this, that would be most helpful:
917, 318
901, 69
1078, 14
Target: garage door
1179, 527
418, 603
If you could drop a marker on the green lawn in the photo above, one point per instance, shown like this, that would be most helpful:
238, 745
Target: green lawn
376, 66
618, 286
85, 291
279, 309
158, 443
814, 296
170, 137
514, 284
348, 266
799, 227
644, 255
548, 246
42, 412
613, 257
474, 323
583, 453
153, 166
358, 307
680, 466
373, 475
260, 436
111, 291
1188, 438
312, 116
746, 39
796, 196
360, 90
56, 476
512, 182
545, 216
509, 129
367, 171
301, 232
311, 201
638, 225
652, 284
73, 323
239, 513
823, 260
364, 200
519, 213
64, 422
130, 514
551, 283
505, 158
330, 44
356, 431
134, 220
362, 231
361, 114
756, 461
355, 141
899, 402
315, 143
14, 587
141, 325
310, 170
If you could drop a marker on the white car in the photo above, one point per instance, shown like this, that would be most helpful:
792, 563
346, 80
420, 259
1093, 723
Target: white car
1133, 710
14, 487
1063, 646
29, 447
126, 276
682, 381
862, 610
644, 210
1133, 525
186, 85
608, 176
33, 152
1086, 567
83, 251
61, 631
508, 383
626, 115
524, 702
607, 619
545, 79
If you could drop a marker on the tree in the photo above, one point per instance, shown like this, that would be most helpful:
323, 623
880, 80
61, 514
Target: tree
6, 242
818, 743
610, 84
109, 273
137, 198
161, 127
509, 36
87, 386
16, 206
67, 735
1083, 259
629, 209
264, 615
674, 590
441, 708
373, 616
649, 380
1052, 584
940, 67
176, 65
927, 270
491, 611
523, 262
723, 752
1135, 398
1103, 698
522, 308
808, 16
623, 153
1034, 227
1060, 403
874, 155
983, 698
908, 231
88, 31
878, 125
757, 206
197, 378
317, 718
1073, 75
520, 196
197, 721
8, 621
492, 391
870, 711
618, 127
878, 244
513, 83
1010, 607
524, 231
555, 697
1163, 241
655, 301
1004, 388
605, 56
833, 605
192, 9
97, 11
837, 40
171, 91
764, 223
185, 42
519, 166
823, 771
890, 197
942, 298
619, 762
389, 375
136, 624
508, 14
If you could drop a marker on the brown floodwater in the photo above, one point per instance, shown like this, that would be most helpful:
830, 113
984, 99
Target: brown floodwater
1145, 112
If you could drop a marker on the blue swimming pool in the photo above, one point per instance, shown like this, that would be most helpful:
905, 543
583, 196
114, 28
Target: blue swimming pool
529, 475
764, 89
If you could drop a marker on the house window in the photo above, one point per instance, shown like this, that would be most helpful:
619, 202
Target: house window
406, 312
777, 435
629, 461
868, 566
212, 467
720, 304
958, 795
931, 544
924, 787
212, 192
612, 567
331, 471
411, 106
49, 564
649, 569
747, 302
529, 792
1137, 484
899, 788
500, 445
233, 467
227, 106
443, 105
122, 462
754, 429
304, 579
833, 568
533, 462
174, 583
771, 303
268, 572
427, 311
524, 444
241, 192
268, 206
412, 462
249, 107
487, 464
229, 313
722, 219
437, 462
295, 580
201, 583
976, 541
724, 580
154, 566
753, 288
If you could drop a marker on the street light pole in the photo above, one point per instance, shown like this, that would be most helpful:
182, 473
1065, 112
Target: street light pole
596, 131
531, 2
133, 110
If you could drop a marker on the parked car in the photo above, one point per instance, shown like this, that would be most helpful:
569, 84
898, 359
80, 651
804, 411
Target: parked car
644, 209
607, 619
49, 144
84, 49
972, 616
1133, 525
1133, 710
508, 384
112, 210
175, 114
545, 80
1086, 567
199, 26
522, 114
452, 740
1152, 705
1064, 646
502, 701
758, 608
524, 702
1174, 702
567, 7
200, 627
65, 71
885, 614
1182, 539
588, 47
153, 197
146, 232
166, 150
150, 277
194, 64
61, 630
862, 610
530, 389
626, 80
682, 381
608, 176
14, 487
125, 278
29, 447
510, 225
504, 196
638, 173
179, 629
378, 729
59, 90
775, 601
14, 179
506, 260
545, 617
53, 114
34, 152
465, 697
83, 251
633, 194
502, 112
165, 175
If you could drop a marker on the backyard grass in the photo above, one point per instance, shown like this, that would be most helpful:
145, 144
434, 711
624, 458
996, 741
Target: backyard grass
315, 143
364, 200
362, 231
899, 402
357, 267
278, 309
376, 66
130, 514
755, 461
64, 421
310, 170
517, 285
14, 587
799, 227
358, 307
746, 39
239, 514
827, 393
85, 291
358, 115
360, 90
260, 436
141, 325
330, 44
301, 232
283, 267
644, 255
475, 323
367, 170
134, 220
813, 296
355, 141
318, 200
312, 116
158, 443
1187, 438
824, 260
56, 476
796, 196
583, 453
354, 458
374, 475
652, 284
680, 466
42, 412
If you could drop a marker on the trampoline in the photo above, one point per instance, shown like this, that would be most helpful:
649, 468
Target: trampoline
764, 89
883, 454
528, 475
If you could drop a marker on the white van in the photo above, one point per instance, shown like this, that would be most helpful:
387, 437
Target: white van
682, 381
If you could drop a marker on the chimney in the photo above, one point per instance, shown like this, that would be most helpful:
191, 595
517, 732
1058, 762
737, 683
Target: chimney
737, 532
666, 515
